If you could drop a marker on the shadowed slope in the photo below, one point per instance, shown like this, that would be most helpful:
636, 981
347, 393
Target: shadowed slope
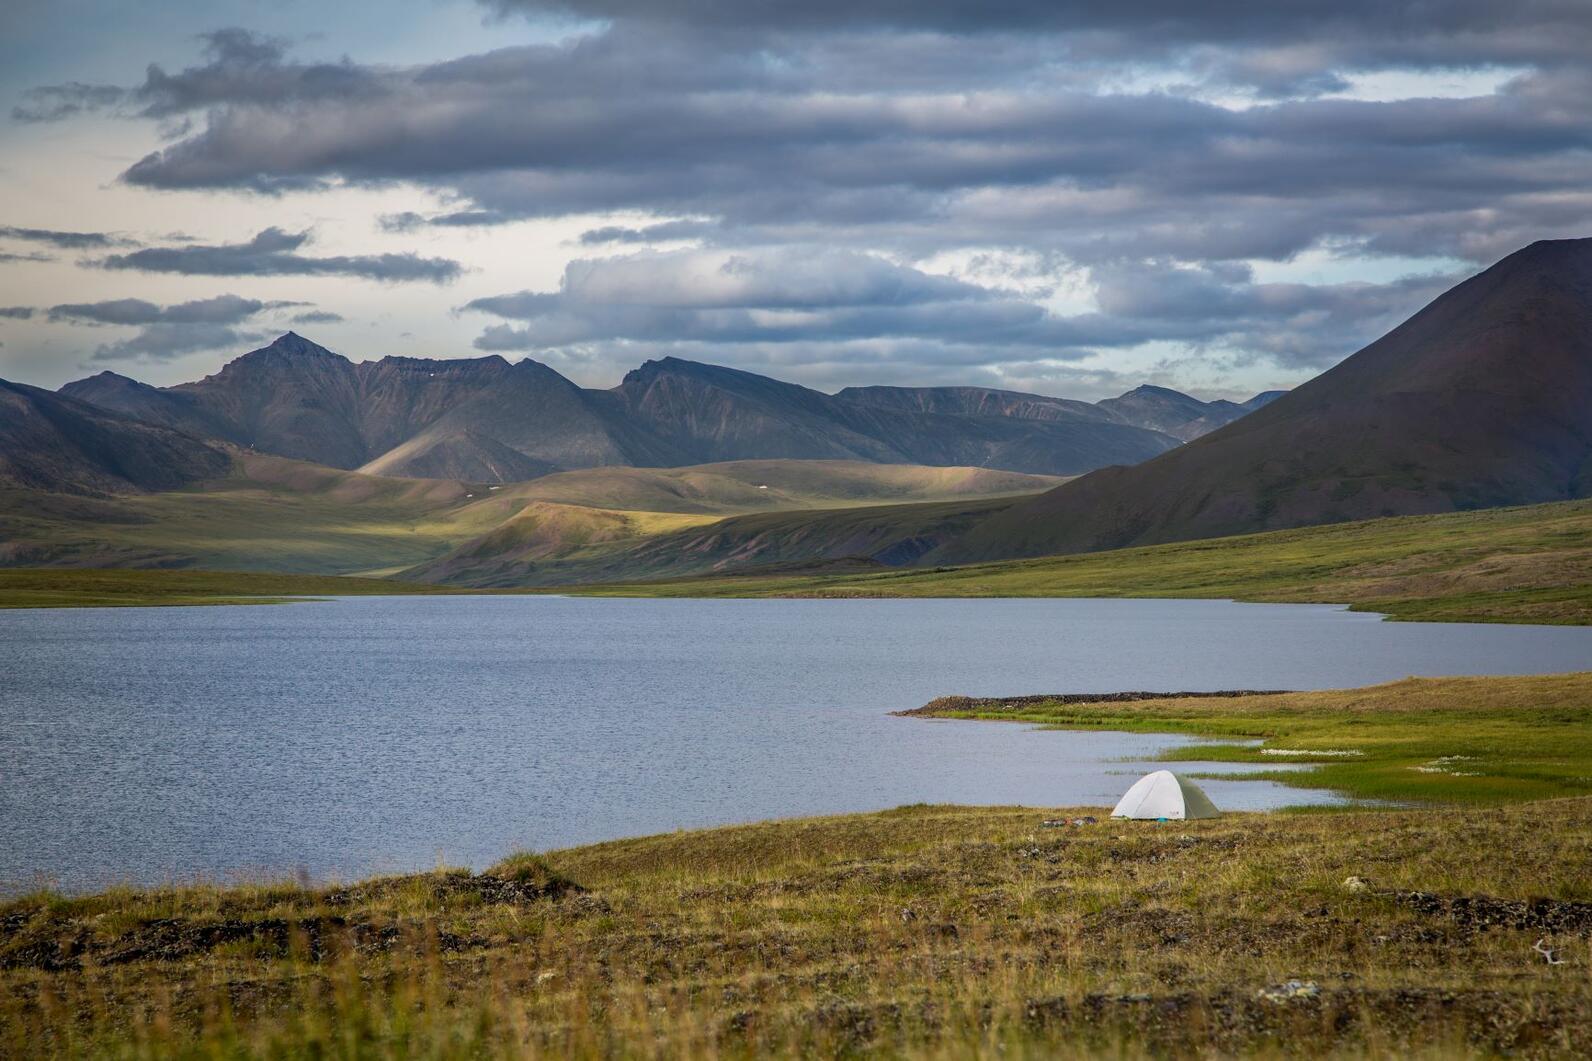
1483, 398
52, 442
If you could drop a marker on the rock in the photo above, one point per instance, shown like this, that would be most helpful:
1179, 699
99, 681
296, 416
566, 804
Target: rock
1289, 991
1357, 884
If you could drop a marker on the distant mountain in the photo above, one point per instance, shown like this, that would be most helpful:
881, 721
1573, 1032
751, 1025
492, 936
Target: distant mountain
486, 420
1263, 398
975, 401
1157, 409
709, 413
481, 419
56, 443
1176, 413
1483, 398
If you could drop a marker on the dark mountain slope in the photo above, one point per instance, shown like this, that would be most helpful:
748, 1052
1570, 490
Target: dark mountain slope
477, 418
1154, 409
974, 401
712, 413
1178, 414
51, 442
709, 412
1483, 398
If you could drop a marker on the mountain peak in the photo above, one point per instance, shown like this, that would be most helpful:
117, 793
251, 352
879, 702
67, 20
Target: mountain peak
294, 343
1150, 388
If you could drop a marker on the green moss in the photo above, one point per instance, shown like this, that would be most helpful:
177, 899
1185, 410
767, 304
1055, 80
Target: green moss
1475, 741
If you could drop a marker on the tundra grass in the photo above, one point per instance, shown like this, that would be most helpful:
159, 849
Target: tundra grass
923, 932
1523, 565
1476, 741
110, 588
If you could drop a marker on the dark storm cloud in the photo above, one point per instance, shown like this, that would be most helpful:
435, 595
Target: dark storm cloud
64, 240
273, 252
16, 313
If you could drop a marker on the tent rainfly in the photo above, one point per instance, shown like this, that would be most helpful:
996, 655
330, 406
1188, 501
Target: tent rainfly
1164, 794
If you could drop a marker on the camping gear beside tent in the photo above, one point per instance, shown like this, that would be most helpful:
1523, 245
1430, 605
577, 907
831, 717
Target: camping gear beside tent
1164, 794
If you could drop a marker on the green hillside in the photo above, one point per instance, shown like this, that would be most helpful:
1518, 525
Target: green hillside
274, 514
1530, 564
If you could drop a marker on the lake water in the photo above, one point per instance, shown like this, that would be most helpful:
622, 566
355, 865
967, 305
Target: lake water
382, 734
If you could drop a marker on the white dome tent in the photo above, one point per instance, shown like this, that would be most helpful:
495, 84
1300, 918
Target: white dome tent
1164, 794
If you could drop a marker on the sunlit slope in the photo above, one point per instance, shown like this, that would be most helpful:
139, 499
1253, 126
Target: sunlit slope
275, 514
769, 486
554, 545
1530, 564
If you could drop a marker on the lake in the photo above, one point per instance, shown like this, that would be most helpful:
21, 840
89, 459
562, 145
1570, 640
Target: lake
342, 738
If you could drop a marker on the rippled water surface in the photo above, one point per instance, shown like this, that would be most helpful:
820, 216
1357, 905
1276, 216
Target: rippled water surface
378, 734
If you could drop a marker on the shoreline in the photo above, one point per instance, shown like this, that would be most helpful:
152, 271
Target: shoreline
1468, 740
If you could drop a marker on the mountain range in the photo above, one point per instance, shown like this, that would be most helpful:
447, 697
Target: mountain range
1481, 399
487, 420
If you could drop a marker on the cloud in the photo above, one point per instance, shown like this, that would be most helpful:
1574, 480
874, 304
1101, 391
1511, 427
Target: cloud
53, 103
16, 313
165, 332
409, 220
63, 240
815, 154
661, 232
273, 252
318, 316
767, 295
32, 256
883, 141
223, 309
735, 303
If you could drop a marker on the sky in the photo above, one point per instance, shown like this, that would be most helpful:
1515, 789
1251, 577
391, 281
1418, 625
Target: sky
1056, 196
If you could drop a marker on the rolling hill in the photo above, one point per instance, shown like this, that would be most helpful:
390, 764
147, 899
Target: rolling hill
267, 513
555, 545
1482, 399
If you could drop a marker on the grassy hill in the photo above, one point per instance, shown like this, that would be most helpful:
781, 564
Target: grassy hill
736, 487
1529, 564
924, 931
863, 536
275, 514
